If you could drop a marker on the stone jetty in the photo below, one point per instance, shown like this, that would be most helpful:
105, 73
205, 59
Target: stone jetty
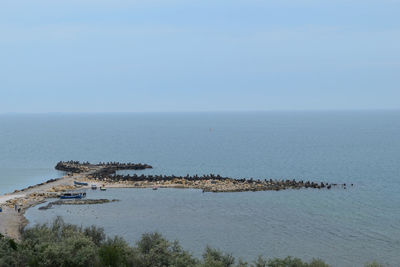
106, 173
210, 183
107, 167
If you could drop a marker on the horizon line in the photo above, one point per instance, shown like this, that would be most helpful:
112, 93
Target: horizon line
193, 111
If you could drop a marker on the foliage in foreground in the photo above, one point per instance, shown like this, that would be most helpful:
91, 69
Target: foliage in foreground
62, 244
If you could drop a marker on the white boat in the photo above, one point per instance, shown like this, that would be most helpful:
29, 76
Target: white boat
94, 186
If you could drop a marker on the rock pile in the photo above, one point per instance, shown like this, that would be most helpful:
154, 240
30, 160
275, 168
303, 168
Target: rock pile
106, 172
106, 167
210, 183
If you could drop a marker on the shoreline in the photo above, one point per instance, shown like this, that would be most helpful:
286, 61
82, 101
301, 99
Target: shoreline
12, 219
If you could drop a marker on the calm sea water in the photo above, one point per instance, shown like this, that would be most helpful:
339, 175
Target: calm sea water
343, 227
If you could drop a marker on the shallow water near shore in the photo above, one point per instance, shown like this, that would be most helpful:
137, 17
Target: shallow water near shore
303, 222
344, 227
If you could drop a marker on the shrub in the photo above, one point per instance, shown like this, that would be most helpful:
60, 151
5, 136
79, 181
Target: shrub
153, 250
62, 244
114, 252
9, 253
96, 234
215, 258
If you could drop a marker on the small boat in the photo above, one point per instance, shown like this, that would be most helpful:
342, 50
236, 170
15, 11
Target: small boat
155, 187
80, 183
103, 188
73, 195
94, 186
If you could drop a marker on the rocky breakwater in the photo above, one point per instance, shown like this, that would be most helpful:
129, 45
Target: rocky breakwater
105, 172
37, 185
72, 166
102, 167
211, 183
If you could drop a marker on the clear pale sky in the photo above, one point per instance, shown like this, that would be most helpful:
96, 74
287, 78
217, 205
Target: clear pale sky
203, 55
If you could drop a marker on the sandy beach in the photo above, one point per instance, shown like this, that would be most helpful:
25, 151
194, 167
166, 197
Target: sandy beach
13, 220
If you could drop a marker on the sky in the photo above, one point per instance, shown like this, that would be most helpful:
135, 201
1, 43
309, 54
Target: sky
200, 55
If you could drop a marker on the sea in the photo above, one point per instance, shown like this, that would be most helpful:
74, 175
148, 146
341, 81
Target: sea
343, 226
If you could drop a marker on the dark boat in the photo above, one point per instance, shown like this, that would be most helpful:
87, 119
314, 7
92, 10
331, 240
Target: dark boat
72, 195
80, 183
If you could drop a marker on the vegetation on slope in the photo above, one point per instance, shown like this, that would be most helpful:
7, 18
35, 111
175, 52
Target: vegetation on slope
62, 244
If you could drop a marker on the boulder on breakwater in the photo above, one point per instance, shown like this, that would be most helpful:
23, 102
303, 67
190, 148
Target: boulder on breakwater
210, 183
106, 172
79, 167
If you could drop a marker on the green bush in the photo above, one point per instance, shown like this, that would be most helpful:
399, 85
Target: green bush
155, 251
114, 252
59, 244
215, 258
62, 244
9, 252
